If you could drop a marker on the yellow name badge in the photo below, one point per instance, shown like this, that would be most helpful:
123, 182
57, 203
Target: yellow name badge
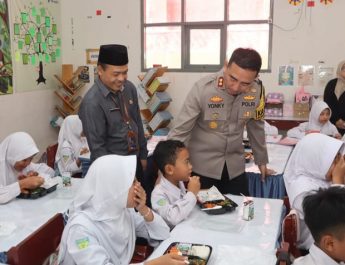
82, 243
213, 125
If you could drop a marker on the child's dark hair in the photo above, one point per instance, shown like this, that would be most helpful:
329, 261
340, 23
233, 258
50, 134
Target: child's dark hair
166, 153
324, 212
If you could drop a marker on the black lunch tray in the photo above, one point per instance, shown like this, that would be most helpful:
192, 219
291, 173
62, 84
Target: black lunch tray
228, 205
184, 248
36, 193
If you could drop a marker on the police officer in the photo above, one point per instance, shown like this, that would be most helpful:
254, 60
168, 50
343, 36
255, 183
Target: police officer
213, 118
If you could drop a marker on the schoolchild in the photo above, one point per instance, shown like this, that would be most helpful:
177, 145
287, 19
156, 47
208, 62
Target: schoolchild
103, 226
17, 171
319, 116
316, 162
324, 214
71, 144
170, 199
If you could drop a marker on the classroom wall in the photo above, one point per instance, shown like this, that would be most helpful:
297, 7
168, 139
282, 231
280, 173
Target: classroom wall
301, 35
31, 106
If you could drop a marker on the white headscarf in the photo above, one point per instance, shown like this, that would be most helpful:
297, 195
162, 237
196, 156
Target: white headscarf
103, 199
314, 123
15, 147
70, 131
340, 86
309, 163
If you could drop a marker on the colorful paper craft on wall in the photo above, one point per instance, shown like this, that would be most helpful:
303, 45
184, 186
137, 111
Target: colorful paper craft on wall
36, 36
295, 2
6, 69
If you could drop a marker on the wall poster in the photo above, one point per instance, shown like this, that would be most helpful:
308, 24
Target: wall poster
6, 70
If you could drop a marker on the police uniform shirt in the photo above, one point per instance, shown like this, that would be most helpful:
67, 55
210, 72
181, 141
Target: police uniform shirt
172, 203
103, 123
212, 121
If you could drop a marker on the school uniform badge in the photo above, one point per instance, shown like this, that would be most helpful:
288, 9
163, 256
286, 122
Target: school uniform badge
161, 202
82, 243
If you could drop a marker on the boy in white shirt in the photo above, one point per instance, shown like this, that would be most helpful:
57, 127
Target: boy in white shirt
170, 198
324, 214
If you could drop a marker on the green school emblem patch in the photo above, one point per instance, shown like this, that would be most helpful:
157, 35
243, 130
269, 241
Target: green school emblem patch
82, 243
161, 202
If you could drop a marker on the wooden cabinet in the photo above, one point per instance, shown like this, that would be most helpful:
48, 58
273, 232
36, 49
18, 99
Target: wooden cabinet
69, 93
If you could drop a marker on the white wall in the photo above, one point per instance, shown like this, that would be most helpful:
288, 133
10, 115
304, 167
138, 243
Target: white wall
31, 106
317, 37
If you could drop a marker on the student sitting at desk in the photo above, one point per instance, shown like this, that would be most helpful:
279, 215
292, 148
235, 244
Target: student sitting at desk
101, 229
324, 214
71, 144
316, 162
17, 172
170, 198
319, 116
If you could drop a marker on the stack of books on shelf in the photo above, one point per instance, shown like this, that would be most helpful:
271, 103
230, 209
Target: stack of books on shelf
159, 101
158, 84
160, 120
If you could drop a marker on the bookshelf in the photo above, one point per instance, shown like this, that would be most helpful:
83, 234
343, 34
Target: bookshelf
152, 90
69, 92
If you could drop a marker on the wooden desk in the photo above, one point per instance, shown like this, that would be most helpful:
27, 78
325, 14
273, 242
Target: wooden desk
28, 215
285, 123
234, 240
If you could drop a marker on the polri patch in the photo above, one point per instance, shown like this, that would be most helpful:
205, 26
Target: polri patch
82, 243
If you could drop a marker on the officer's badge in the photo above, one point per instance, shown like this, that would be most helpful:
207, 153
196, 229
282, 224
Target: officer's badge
213, 125
220, 81
82, 243
249, 97
216, 99
246, 114
215, 116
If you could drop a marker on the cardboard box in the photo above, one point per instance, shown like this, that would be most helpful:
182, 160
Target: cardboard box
301, 110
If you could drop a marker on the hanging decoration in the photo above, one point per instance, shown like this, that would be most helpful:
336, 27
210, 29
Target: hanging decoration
295, 2
326, 2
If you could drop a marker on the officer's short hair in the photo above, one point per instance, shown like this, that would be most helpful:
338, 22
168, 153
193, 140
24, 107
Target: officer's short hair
166, 153
246, 58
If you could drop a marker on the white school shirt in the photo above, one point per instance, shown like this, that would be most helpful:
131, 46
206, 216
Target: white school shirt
316, 257
86, 244
313, 123
68, 160
172, 203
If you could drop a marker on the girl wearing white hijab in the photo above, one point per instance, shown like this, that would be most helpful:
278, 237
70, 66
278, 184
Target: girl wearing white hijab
316, 162
17, 172
334, 96
71, 144
101, 228
318, 122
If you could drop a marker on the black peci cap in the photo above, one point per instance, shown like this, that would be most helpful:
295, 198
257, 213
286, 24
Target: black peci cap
113, 54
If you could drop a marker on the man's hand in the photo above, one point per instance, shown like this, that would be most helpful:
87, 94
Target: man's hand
30, 183
265, 172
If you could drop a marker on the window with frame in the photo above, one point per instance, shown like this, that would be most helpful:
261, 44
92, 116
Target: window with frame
198, 35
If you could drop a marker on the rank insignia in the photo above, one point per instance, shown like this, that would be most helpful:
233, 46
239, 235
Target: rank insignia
216, 99
213, 125
221, 81
82, 243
